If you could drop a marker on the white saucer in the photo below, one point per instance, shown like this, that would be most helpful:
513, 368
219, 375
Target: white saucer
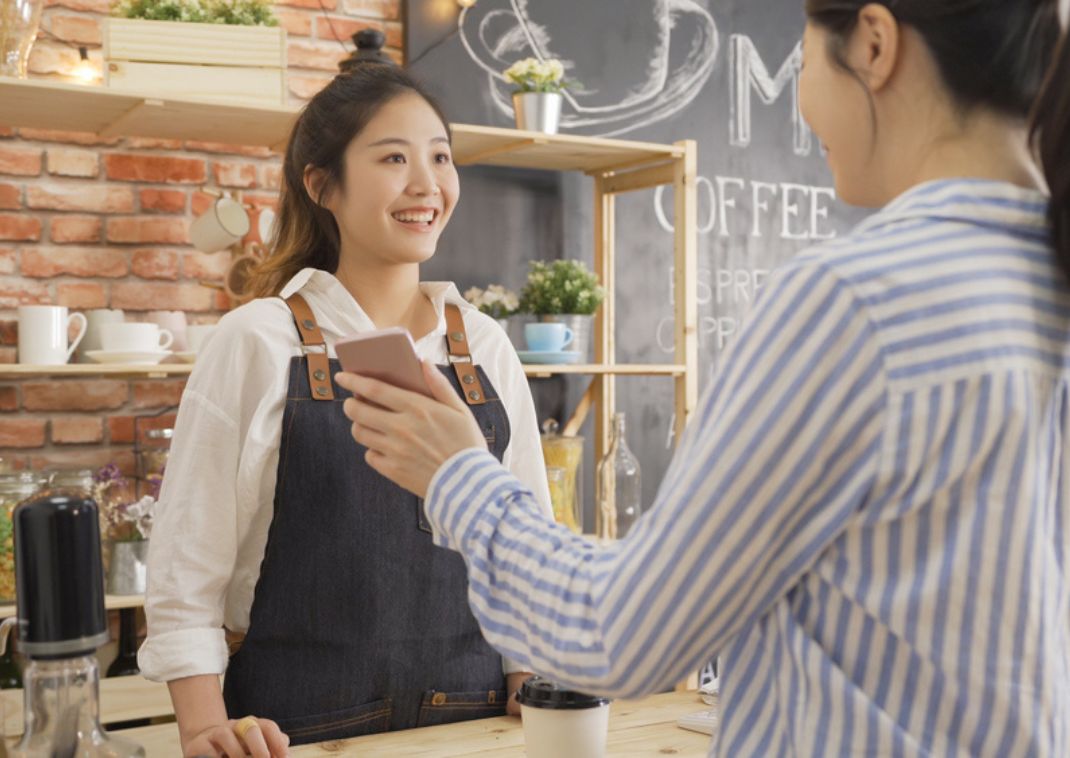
134, 357
185, 356
549, 357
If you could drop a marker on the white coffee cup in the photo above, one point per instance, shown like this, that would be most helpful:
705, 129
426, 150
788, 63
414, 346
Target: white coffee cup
43, 333
174, 322
134, 338
94, 319
560, 723
197, 335
222, 225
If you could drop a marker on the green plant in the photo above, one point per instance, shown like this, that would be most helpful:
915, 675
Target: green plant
233, 12
533, 75
561, 287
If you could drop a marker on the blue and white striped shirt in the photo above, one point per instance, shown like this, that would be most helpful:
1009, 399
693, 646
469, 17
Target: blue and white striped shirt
867, 516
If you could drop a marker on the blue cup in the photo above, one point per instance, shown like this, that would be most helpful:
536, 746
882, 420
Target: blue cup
547, 338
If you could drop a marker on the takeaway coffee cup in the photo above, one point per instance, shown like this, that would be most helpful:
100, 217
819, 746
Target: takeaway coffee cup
560, 723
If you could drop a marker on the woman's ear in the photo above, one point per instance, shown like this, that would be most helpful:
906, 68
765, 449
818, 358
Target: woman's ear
873, 51
315, 181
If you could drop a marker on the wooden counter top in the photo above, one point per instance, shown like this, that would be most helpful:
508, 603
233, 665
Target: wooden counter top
636, 728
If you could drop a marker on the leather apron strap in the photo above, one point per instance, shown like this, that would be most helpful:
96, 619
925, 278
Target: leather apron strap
315, 348
461, 357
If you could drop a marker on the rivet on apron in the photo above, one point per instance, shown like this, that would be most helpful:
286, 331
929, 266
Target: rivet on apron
491, 696
457, 336
474, 395
469, 379
309, 324
439, 698
321, 391
320, 375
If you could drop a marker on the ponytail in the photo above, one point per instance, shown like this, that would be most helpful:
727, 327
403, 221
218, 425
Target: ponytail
1051, 135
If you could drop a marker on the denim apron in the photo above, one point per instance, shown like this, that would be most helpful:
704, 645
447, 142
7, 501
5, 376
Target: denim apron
358, 623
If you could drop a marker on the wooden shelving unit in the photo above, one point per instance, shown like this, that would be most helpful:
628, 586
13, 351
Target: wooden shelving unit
111, 602
617, 166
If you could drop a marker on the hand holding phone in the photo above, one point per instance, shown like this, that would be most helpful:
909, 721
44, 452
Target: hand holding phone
387, 355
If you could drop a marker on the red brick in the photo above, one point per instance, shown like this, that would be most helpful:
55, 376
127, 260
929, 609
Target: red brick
211, 266
234, 174
22, 432
9, 399
93, 458
9, 332
16, 291
143, 296
200, 202
163, 200
75, 138
158, 394
155, 264
296, 23
160, 169
394, 37
9, 354
80, 196
92, 6
19, 228
79, 29
9, 261
270, 177
120, 429
77, 261
387, 9
66, 229
68, 161
315, 5
261, 200
75, 395
140, 230
6, 132
51, 58
325, 57
77, 430
395, 55
78, 295
305, 87
152, 143
20, 161
252, 151
339, 28
10, 197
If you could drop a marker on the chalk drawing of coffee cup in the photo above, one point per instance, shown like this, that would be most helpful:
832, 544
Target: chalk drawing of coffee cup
650, 57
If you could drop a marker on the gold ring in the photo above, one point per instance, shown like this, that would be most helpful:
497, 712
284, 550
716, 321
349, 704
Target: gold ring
242, 727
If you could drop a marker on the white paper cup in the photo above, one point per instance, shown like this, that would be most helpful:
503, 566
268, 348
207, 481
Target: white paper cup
559, 723
134, 338
222, 225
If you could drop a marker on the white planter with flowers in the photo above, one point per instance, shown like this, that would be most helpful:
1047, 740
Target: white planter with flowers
539, 95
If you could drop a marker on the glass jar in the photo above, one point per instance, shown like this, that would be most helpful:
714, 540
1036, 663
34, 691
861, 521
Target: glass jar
14, 488
566, 453
563, 498
80, 480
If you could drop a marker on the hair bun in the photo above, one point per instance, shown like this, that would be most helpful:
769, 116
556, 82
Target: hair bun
369, 44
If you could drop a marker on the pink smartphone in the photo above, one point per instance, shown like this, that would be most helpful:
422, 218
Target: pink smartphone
388, 355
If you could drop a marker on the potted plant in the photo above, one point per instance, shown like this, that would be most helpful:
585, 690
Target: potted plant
537, 97
565, 291
126, 522
495, 301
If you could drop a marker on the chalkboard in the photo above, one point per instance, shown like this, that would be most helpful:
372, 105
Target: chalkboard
722, 72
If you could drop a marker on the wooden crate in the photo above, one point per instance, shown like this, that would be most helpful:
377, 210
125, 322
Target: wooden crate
213, 62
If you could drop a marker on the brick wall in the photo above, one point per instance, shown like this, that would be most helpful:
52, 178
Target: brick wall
92, 222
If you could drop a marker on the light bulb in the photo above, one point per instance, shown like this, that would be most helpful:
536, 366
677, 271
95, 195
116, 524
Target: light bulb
466, 3
85, 71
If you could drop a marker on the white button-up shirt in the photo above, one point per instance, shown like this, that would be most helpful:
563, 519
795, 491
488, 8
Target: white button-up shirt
216, 502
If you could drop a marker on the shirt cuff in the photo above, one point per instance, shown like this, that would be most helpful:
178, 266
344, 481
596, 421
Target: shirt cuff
461, 489
183, 652
510, 666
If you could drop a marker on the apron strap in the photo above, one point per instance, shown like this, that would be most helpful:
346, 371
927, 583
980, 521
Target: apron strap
319, 367
461, 356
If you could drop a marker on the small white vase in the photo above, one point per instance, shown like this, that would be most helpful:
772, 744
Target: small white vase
537, 111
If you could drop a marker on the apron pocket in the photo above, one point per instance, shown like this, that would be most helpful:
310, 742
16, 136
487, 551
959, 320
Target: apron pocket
449, 707
370, 718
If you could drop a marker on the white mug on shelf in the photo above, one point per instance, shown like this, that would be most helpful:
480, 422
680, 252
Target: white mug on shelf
94, 320
198, 335
174, 322
219, 227
134, 338
43, 334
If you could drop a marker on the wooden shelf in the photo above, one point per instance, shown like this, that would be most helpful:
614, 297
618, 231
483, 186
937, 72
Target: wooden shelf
618, 369
44, 104
111, 602
24, 371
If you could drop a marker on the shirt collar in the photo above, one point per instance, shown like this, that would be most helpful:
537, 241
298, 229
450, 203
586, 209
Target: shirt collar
976, 201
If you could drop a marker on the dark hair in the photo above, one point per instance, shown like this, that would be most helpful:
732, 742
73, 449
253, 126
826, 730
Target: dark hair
306, 234
993, 54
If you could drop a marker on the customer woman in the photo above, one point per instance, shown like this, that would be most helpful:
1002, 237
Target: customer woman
870, 512
271, 525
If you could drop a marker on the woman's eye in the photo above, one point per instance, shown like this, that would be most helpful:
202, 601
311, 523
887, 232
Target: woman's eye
395, 158
443, 158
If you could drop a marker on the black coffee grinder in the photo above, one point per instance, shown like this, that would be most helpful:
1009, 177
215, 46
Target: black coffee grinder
61, 623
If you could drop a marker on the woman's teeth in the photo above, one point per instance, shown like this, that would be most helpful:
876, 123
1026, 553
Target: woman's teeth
411, 217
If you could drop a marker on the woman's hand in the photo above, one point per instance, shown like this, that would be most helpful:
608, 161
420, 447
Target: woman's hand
409, 436
513, 683
265, 740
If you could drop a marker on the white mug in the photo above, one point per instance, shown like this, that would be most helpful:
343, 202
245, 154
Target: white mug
174, 322
134, 338
94, 319
222, 225
43, 331
198, 335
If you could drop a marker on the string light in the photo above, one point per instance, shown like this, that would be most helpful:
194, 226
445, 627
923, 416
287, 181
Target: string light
466, 3
85, 71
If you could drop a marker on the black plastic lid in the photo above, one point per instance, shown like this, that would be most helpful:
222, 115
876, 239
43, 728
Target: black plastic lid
58, 577
542, 693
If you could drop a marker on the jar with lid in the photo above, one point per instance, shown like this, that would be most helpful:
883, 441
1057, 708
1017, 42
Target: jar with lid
75, 480
14, 488
566, 455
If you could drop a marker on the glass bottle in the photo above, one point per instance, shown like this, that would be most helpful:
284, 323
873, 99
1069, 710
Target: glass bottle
125, 663
619, 492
